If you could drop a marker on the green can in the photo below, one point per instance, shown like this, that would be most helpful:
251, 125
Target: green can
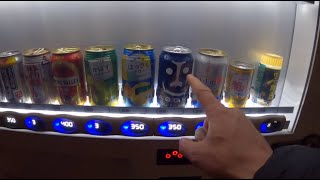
102, 75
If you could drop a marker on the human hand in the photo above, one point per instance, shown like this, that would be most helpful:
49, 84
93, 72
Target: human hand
228, 145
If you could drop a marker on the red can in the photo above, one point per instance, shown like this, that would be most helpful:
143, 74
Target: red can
68, 72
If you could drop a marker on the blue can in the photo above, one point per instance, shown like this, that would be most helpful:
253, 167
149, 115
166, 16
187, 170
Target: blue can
138, 74
175, 63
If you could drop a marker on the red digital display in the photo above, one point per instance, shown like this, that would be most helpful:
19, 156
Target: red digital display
170, 157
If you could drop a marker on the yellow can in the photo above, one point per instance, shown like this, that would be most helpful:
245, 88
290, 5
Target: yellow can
238, 84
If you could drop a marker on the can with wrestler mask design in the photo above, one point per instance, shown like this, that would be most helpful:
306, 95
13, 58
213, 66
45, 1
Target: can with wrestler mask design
175, 63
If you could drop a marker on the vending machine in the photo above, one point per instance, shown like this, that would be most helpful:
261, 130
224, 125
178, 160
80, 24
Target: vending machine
99, 90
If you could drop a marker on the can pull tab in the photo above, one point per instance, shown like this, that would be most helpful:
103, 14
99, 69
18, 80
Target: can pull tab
138, 47
38, 51
178, 49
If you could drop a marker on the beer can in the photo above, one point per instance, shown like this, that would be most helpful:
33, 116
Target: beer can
68, 72
267, 79
210, 68
102, 75
175, 63
11, 71
38, 75
238, 83
138, 74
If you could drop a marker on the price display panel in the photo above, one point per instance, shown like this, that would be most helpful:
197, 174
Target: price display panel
64, 125
134, 128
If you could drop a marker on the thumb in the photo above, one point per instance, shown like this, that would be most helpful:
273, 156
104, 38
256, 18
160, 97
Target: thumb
189, 148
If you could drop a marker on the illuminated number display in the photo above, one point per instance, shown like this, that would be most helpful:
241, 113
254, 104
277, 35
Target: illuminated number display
98, 127
10, 122
34, 123
171, 129
170, 157
64, 125
134, 128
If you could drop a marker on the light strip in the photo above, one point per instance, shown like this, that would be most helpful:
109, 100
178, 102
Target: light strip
85, 114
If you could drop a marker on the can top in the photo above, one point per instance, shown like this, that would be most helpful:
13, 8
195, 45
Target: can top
272, 60
177, 49
242, 65
212, 52
66, 50
36, 52
100, 48
9, 53
138, 47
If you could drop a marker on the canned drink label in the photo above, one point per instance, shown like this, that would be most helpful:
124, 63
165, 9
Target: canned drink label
213, 77
10, 78
68, 81
240, 85
34, 78
46, 68
17, 94
69, 89
137, 77
68, 84
173, 89
101, 68
139, 67
266, 83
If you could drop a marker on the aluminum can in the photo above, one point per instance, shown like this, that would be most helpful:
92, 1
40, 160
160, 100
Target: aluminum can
68, 72
210, 68
266, 82
138, 74
175, 63
11, 72
102, 75
38, 75
238, 83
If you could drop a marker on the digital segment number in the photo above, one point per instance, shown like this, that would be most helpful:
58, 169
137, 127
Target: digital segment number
171, 129
173, 154
98, 127
134, 128
10, 122
67, 124
64, 125
170, 157
175, 127
34, 123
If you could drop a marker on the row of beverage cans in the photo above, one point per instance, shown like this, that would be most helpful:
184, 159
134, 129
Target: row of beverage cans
64, 74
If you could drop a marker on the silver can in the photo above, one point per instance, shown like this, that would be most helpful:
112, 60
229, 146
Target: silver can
11, 71
38, 75
210, 68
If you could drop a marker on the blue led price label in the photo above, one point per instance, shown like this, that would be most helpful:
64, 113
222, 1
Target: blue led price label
10, 122
199, 125
34, 123
171, 129
134, 128
98, 127
64, 125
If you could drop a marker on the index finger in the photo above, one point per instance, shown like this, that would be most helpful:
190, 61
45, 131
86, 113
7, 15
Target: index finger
204, 94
